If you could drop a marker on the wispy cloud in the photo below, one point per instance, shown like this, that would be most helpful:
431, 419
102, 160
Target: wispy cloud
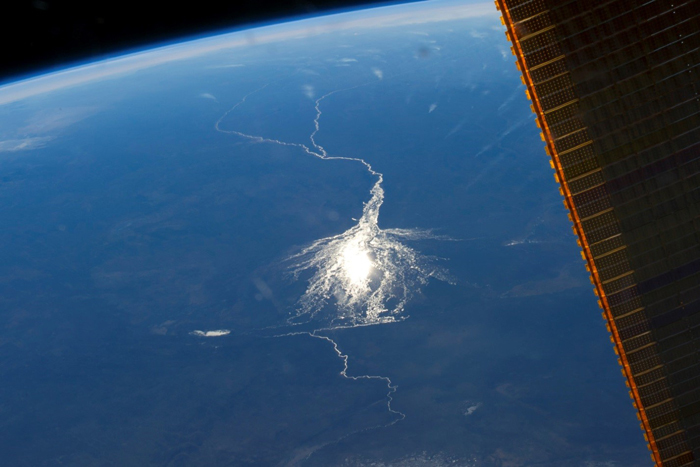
511, 98
41, 128
53, 119
309, 91
517, 125
456, 128
564, 280
24, 144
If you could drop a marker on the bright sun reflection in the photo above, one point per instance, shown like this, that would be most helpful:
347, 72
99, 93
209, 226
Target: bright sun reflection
356, 264
364, 275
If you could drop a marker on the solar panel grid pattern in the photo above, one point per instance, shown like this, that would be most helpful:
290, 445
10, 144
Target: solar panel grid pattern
616, 88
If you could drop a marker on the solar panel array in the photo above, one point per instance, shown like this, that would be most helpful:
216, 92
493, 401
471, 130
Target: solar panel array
616, 89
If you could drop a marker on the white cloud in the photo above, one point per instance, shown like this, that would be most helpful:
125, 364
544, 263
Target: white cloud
432, 107
207, 95
215, 333
471, 409
378, 73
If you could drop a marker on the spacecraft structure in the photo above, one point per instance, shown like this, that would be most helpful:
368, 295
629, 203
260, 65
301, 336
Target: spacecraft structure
615, 86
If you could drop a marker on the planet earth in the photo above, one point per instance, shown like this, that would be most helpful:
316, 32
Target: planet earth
329, 241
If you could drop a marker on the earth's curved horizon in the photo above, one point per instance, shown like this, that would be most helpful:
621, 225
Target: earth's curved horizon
333, 241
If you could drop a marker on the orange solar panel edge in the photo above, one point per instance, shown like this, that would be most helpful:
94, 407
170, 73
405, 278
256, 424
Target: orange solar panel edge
551, 150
